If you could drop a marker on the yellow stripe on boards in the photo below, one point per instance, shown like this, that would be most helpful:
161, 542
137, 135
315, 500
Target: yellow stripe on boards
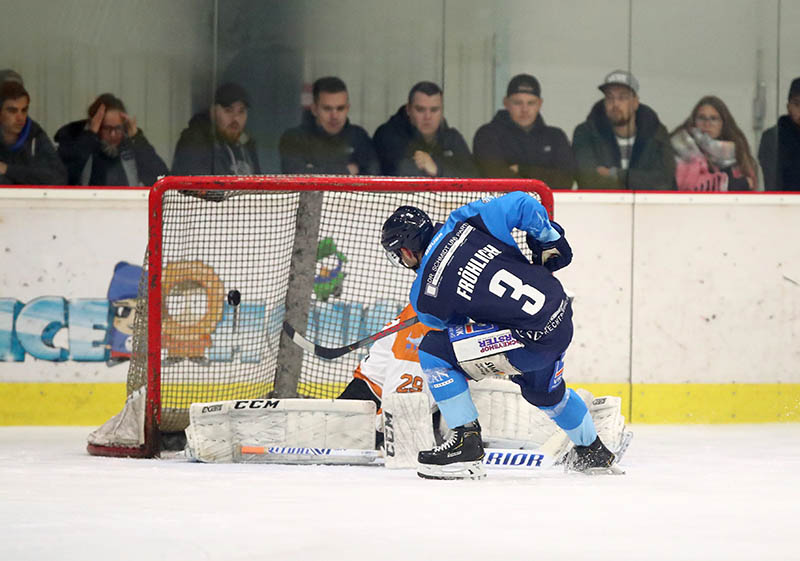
715, 403
93, 404
60, 404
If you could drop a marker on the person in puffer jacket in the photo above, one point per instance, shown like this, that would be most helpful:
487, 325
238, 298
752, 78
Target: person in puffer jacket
416, 141
622, 144
518, 143
27, 156
216, 142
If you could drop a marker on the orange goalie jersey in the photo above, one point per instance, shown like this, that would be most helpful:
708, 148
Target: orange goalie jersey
393, 363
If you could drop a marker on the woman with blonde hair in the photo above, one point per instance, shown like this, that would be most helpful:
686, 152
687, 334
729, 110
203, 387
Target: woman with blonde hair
712, 152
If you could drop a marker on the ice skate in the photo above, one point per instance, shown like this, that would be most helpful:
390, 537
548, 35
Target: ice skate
594, 459
459, 457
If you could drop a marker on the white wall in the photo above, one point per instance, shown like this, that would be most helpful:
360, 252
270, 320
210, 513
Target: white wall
683, 288
674, 288
154, 55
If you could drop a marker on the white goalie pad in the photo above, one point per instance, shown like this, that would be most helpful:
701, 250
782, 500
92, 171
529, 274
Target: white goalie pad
606, 412
507, 420
126, 428
218, 431
407, 428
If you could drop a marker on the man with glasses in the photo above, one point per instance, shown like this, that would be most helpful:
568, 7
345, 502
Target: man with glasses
108, 148
622, 144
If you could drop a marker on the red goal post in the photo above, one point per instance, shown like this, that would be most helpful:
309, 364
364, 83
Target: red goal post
230, 258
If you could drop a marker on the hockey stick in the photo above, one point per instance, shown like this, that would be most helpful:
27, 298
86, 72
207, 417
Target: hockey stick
335, 352
531, 459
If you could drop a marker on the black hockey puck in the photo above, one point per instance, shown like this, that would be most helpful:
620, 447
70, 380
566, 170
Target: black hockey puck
234, 297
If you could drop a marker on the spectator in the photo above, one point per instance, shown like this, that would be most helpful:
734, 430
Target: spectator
108, 148
518, 143
779, 151
216, 142
27, 156
8, 75
326, 142
712, 153
417, 141
622, 144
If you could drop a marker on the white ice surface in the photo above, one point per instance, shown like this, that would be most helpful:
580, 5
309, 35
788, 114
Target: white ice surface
691, 492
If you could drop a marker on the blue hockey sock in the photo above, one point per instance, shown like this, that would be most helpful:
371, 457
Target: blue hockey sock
450, 390
572, 415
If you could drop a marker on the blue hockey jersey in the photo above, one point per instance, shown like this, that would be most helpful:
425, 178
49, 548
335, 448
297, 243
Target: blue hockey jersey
473, 270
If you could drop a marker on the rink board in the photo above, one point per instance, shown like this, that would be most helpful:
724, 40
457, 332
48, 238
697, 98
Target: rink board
687, 306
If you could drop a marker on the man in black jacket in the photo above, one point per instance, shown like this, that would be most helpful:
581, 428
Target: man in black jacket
779, 151
326, 142
622, 144
108, 148
216, 142
518, 143
27, 156
416, 140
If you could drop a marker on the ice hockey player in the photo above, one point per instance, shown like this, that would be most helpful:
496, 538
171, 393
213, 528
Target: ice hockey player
499, 314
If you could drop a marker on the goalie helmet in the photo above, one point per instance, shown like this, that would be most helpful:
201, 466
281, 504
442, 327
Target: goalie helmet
407, 227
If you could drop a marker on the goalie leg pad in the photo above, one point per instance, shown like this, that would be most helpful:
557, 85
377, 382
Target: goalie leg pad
507, 419
216, 429
407, 428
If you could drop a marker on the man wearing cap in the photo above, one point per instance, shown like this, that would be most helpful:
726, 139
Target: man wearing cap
622, 144
216, 142
326, 142
27, 156
779, 151
518, 143
417, 141
8, 75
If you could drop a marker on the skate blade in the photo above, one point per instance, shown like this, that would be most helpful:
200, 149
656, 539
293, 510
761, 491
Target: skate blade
460, 470
610, 470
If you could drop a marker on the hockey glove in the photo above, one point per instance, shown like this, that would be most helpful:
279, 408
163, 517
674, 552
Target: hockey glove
553, 255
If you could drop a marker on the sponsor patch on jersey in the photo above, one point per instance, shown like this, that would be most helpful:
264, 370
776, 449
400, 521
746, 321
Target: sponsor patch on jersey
558, 373
552, 323
437, 267
487, 340
459, 332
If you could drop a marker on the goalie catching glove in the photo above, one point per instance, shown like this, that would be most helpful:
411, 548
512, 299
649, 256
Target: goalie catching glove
553, 255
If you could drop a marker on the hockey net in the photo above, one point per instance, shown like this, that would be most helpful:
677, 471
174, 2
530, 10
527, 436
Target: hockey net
230, 258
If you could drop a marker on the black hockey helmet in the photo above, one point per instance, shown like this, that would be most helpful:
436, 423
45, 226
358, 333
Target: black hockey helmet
407, 227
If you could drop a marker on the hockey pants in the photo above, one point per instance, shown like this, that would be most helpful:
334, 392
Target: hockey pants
540, 384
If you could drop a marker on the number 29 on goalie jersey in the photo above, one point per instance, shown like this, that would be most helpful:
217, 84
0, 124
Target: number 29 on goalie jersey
392, 363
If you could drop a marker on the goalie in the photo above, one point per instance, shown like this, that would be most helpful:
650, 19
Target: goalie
470, 269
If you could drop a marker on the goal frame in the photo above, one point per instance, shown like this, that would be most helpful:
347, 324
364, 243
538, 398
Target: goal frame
275, 183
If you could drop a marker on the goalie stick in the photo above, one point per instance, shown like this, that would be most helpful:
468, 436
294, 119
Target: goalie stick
331, 353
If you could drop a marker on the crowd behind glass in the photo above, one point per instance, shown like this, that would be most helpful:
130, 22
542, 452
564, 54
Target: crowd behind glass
622, 144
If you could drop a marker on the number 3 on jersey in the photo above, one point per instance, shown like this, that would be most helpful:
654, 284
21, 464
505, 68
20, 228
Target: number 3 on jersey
503, 280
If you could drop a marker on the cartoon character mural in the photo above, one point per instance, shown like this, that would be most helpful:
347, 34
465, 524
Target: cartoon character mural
122, 292
328, 282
